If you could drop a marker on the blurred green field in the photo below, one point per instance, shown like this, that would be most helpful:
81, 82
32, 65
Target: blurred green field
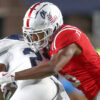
98, 50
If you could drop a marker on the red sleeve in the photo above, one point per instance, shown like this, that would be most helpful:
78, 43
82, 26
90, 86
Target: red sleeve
66, 37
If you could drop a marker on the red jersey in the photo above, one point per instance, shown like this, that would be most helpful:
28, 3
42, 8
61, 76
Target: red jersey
83, 69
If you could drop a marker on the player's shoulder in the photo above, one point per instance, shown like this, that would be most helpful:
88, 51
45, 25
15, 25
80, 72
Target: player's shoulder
18, 41
68, 31
65, 36
15, 37
10, 41
69, 27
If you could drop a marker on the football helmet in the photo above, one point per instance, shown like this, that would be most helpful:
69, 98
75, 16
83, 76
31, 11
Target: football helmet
39, 23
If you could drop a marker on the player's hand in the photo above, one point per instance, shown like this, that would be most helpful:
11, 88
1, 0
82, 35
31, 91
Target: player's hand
3, 86
5, 77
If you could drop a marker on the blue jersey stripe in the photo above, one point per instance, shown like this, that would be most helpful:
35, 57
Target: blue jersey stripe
16, 37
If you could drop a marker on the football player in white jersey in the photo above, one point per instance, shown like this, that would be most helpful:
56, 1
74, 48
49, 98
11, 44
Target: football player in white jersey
16, 55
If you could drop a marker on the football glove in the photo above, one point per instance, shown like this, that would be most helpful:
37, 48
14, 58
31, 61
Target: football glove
5, 77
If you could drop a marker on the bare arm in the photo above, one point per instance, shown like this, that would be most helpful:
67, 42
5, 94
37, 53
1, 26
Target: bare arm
2, 67
51, 67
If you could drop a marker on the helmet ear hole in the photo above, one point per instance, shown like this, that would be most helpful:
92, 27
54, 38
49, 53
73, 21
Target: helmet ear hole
47, 32
56, 27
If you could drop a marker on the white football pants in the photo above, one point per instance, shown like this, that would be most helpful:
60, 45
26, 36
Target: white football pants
46, 89
98, 96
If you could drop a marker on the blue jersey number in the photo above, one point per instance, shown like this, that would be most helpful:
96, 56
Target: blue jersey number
32, 59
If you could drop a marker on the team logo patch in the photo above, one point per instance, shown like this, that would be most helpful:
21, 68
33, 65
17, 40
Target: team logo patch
43, 14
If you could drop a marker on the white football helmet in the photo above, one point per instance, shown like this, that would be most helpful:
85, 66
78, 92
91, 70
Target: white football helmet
40, 21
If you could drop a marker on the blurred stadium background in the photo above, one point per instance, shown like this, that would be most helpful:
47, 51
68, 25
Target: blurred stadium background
85, 14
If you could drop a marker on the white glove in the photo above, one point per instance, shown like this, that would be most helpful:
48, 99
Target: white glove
5, 77
2, 86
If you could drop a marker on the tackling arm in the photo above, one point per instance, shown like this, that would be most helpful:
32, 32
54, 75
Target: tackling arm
2, 67
51, 67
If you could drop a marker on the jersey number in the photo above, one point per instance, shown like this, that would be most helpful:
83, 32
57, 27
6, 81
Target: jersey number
33, 60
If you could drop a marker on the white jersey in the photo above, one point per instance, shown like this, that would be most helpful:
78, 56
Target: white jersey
20, 53
18, 56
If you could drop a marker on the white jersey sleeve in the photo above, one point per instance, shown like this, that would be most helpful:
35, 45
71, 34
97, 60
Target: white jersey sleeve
9, 41
5, 44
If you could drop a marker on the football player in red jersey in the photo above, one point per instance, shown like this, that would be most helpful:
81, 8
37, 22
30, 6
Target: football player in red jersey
71, 52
